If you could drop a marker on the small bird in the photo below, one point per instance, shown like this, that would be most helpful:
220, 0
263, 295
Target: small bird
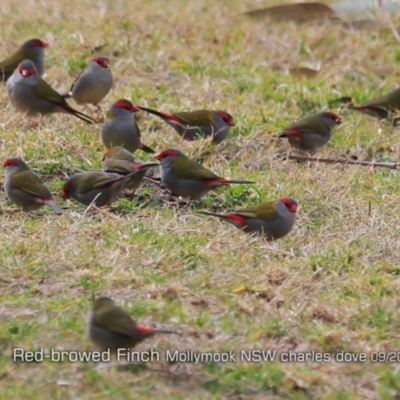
121, 129
312, 132
120, 161
200, 123
25, 188
93, 84
33, 50
273, 219
32, 95
111, 328
187, 178
380, 107
99, 187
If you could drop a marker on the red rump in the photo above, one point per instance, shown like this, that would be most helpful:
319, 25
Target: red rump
293, 132
170, 117
65, 194
210, 181
120, 178
236, 217
143, 329
44, 199
63, 104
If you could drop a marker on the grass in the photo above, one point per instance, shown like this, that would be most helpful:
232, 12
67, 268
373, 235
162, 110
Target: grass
331, 286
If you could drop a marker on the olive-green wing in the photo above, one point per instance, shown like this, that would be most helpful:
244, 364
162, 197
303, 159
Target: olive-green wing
185, 168
310, 124
44, 90
391, 100
196, 118
265, 211
118, 166
32, 184
8, 66
97, 180
116, 320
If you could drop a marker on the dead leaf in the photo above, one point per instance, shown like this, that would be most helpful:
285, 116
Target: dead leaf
299, 12
199, 302
260, 292
252, 336
304, 72
96, 49
386, 71
325, 314
240, 290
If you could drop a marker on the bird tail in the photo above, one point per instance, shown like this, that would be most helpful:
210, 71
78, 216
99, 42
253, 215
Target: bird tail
213, 214
215, 182
146, 329
83, 117
133, 173
167, 331
53, 206
77, 113
137, 171
141, 167
158, 113
281, 135
378, 111
238, 182
236, 219
146, 149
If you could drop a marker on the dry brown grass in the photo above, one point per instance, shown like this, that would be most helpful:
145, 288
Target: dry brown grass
330, 286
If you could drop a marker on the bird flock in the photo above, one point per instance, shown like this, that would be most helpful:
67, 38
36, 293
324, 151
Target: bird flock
109, 326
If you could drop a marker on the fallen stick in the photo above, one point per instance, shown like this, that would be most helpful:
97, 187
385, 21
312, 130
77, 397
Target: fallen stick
338, 161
